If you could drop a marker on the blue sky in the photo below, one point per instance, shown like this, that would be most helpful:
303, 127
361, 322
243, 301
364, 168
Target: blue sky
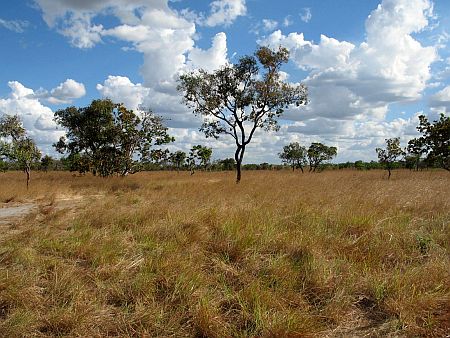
371, 66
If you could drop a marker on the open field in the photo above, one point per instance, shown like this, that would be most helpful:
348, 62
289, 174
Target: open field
335, 254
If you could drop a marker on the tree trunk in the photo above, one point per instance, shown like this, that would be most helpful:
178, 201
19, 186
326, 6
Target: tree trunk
238, 156
238, 172
27, 171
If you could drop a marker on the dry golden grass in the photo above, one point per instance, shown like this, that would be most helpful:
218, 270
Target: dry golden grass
335, 254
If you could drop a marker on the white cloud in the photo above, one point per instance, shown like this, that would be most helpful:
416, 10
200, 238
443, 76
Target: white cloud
224, 12
121, 90
211, 58
346, 80
306, 14
37, 118
441, 100
64, 93
17, 26
269, 25
287, 21
351, 85
81, 33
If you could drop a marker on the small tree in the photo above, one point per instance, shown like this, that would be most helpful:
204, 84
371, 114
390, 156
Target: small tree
238, 99
227, 164
46, 162
110, 137
178, 159
294, 155
415, 150
199, 156
318, 153
17, 146
388, 156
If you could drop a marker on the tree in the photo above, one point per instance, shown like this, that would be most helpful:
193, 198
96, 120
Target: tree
178, 159
17, 146
294, 155
159, 157
238, 99
227, 164
435, 140
199, 156
388, 156
415, 150
46, 162
319, 153
109, 137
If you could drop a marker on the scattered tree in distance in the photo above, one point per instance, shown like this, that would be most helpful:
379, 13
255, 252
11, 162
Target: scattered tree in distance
17, 147
388, 156
318, 153
199, 156
46, 162
295, 155
178, 159
415, 149
239, 99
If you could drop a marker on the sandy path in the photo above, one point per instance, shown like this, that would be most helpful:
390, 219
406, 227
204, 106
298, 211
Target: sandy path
10, 214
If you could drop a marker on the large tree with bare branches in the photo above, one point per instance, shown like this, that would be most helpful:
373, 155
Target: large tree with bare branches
240, 98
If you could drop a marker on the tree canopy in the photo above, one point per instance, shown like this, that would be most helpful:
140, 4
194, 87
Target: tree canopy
435, 140
318, 153
239, 98
107, 138
199, 156
295, 155
388, 156
17, 146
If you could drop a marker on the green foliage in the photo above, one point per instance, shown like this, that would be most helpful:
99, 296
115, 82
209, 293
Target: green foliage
178, 159
199, 156
434, 142
107, 138
387, 157
17, 147
46, 162
318, 153
294, 155
238, 99
227, 164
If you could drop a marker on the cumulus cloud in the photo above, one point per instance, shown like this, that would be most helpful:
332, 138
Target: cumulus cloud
224, 12
164, 36
346, 80
64, 93
211, 58
441, 100
37, 118
17, 26
121, 90
351, 86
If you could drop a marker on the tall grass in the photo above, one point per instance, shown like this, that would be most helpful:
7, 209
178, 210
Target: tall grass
282, 254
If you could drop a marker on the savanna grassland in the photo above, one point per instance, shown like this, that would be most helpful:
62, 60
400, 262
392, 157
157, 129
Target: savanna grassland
282, 254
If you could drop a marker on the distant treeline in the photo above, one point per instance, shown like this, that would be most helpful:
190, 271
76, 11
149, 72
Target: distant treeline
65, 164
